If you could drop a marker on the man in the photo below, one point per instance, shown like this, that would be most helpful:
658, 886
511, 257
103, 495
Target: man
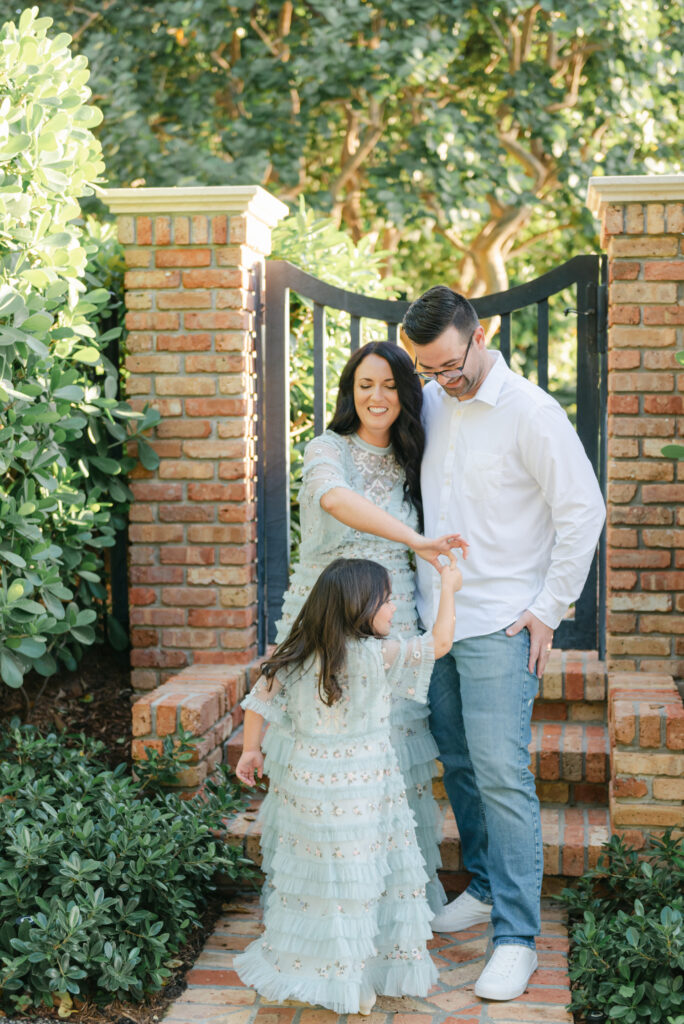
503, 467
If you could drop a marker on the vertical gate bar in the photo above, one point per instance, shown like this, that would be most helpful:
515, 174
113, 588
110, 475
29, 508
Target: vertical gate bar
355, 333
602, 345
259, 365
276, 428
505, 337
543, 344
319, 368
393, 333
586, 609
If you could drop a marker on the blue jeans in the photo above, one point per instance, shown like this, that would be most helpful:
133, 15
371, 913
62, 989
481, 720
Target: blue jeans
481, 698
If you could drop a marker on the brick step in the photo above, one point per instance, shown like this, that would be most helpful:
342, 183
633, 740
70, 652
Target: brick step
570, 762
573, 688
572, 838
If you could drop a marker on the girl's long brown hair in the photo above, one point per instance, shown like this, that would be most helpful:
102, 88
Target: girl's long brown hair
342, 604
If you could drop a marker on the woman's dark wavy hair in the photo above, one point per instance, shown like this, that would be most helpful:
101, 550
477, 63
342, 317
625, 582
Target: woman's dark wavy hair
406, 433
342, 604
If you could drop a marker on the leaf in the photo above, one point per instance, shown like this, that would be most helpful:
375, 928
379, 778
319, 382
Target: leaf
71, 392
10, 669
13, 558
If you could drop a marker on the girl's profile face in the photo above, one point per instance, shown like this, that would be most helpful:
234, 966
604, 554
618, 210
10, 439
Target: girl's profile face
382, 620
375, 397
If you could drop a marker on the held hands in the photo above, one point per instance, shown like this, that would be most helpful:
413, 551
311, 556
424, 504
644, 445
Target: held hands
431, 548
251, 761
451, 578
541, 636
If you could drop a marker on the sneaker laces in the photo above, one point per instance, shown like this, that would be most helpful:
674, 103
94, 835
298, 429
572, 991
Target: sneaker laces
506, 960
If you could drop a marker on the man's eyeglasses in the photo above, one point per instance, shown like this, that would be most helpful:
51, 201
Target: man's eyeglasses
450, 374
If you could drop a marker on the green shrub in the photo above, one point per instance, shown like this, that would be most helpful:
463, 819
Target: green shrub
627, 934
101, 876
61, 423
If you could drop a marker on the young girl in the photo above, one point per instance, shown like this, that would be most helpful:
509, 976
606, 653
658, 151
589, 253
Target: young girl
345, 913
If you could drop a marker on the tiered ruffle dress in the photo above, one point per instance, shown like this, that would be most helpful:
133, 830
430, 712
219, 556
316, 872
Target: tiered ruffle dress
332, 460
345, 910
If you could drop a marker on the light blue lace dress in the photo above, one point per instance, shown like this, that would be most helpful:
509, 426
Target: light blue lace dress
345, 908
332, 460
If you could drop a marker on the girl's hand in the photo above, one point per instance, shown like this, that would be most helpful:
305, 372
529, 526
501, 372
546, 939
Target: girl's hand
451, 578
431, 548
251, 761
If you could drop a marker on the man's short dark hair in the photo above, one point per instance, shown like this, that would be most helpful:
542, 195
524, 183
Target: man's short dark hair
435, 310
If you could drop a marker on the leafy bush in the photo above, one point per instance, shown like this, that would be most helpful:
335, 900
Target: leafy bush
61, 423
627, 934
101, 876
317, 246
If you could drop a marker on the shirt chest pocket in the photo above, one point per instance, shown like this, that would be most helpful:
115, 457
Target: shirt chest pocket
483, 474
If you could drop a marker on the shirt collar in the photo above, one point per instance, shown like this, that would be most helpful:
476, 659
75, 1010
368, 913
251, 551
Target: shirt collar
490, 388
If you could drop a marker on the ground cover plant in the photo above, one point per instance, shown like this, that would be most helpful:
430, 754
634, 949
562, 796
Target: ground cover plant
102, 876
627, 934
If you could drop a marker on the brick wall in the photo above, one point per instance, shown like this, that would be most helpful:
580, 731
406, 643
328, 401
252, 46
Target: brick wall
642, 220
191, 255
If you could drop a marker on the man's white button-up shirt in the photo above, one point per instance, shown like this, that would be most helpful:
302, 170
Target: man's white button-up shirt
507, 471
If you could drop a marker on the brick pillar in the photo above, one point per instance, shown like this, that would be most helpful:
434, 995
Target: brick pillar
191, 255
642, 219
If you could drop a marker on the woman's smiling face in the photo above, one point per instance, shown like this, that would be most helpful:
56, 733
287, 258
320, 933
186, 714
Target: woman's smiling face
375, 399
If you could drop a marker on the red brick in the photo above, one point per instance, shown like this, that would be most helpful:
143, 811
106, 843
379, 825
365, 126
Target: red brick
664, 404
639, 559
674, 728
183, 470
215, 407
158, 659
641, 381
664, 314
143, 230
212, 278
148, 491
625, 404
157, 616
184, 300
188, 428
624, 359
189, 638
152, 279
191, 596
642, 337
139, 748
155, 574
623, 314
152, 321
200, 229
624, 271
220, 534
240, 617
216, 320
219, 229
212, 978
181, 230
629, 787
183, 258
643, 246
185, 513
188, 556
184, 342
142, 595
219, 492
621, 580
144, 638
662, 494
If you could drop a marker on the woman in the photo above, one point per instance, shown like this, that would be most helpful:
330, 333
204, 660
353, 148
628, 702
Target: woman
360, 497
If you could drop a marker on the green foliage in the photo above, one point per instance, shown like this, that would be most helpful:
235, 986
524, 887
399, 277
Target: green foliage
61, 424
317, 246
459, 136
627, 933
101, 876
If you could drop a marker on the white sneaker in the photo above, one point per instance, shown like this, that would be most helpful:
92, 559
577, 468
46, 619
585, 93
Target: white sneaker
507, 974
461, 913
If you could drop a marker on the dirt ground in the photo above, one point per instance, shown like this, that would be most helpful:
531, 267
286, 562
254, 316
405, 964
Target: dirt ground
96, 700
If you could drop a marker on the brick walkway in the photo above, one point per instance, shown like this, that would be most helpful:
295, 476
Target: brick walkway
215, 994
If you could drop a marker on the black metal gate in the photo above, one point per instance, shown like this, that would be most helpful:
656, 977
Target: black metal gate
585, 274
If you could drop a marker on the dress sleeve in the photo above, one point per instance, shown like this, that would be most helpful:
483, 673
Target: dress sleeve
323, 468
271, 703
408, 665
